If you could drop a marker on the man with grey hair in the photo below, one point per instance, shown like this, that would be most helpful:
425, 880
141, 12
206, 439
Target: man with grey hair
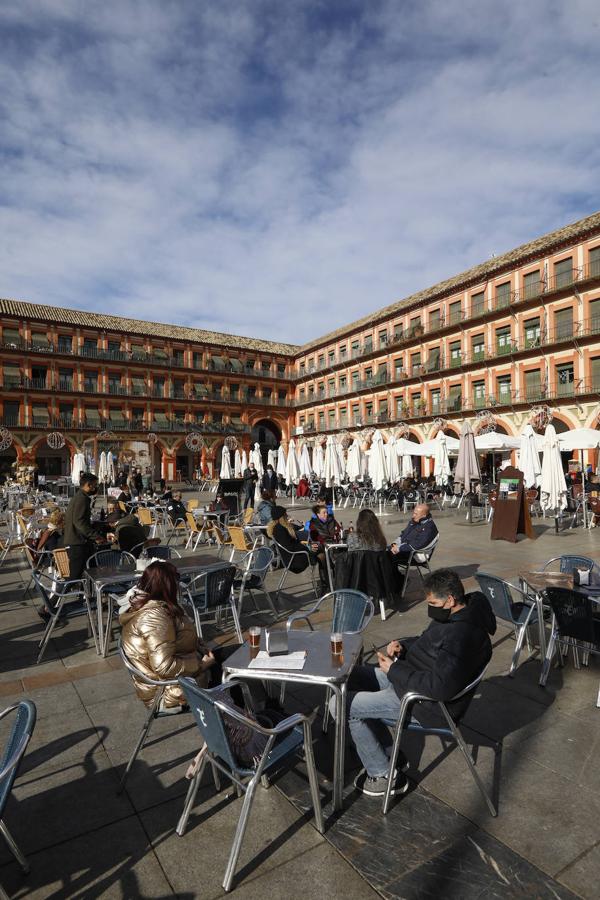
419, 533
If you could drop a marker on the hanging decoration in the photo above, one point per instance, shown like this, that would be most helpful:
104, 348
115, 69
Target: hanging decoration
540, 417
56, 440
194, 441
152, 437
402, 430
345, 439
108, 436
6, 439
231, 443
485, 422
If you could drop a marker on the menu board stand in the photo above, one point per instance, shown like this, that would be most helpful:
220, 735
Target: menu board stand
511, 515
230, 490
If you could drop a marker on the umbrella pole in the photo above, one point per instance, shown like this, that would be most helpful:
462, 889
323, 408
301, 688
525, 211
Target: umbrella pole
583, 501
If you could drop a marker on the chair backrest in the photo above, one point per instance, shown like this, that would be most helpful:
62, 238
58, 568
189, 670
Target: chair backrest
209, 719
220, 535
574, 613
261, 560
238, 538
350, 610
192, 504
218, 586
248, 515
191, 521
425, 553
110, 558
61, 562
498, 593
160, 552
569, 563
145, 516
20, 733
122, 506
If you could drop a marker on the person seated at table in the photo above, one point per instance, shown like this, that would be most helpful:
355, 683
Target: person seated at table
130, 534
264, 511
52, 537
281, 530
368, 534
113, 512
441, 662
161, 641
303, 489
125, 496
324, 529
176, 508
218, 505
419, 533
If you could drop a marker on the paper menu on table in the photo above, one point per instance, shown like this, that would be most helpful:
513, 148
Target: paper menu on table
293, 660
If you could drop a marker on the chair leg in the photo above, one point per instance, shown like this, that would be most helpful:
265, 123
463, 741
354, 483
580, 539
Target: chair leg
312, 777
518, 647
14, 849
269, 600
326, 710
190, 799
142, 738
382, 610
239, 834
472, 769
236, 619
108, 631
49, 629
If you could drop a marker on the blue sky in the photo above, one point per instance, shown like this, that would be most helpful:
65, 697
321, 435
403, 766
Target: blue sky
277, 168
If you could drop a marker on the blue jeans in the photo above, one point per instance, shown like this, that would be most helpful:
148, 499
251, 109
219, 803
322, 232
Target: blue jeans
369, 711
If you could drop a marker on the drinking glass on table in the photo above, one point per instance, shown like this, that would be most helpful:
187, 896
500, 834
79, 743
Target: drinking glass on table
336, 643
254, 634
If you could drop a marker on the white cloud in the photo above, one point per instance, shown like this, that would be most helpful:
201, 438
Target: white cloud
255, 169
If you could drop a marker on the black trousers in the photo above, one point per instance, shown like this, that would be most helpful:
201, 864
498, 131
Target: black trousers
78, 557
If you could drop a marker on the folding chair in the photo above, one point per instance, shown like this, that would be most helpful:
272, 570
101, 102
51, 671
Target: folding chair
449, 733
519, 614
419, 559
208, 709
14, 750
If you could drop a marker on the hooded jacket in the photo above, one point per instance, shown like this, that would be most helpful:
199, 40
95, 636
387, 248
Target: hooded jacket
448, 655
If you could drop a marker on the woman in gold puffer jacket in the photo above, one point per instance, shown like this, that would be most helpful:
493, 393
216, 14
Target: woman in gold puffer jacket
159, 639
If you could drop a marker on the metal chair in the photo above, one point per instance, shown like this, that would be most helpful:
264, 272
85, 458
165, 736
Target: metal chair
518, 613
568, 563
451, 733
110, 559
157, 552
58, 596
212, 591
420, 559
10, 762
291, 555
574, 624
153, 712
254, 568
295, 733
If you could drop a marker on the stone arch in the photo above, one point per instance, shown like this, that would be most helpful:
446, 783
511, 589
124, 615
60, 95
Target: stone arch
267, 433
561, 422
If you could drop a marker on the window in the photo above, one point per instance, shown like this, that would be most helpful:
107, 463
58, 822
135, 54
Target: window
400, 407
369, 412
415, 326
331, 387
398, 331
434, 399
281, 370
532, 332
594, 262
382, 373
416, 405
356, 414
355, 381
234, 391
355, 349
11, 337
137, 351
266, 366
594, 316
92, 416
565, 376
369, 373
455, 354
368, 346
178, 357
250, 365
321, 389
331, 358
399, 367
434, 320
321, 361
455, 312
331, 415
596, 373
158, 389
65, 343
302, 368
281, 395
533, 386
531, 285
311, 364
12, 375
40, 339
197, 360
503, 295
342, 351
90, 382
179, 388
479, 394
138, 386
267, 392
321, 419
251, 392
11, 412
563, 272
415, 363
343, 383
114, 383
503, 341
343, 416
40, 414
383, 338
477, 347
504, 384
311, 390
563, 324
455, 397
433, 361
478, 303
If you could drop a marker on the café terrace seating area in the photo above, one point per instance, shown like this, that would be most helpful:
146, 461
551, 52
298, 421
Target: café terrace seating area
98, 806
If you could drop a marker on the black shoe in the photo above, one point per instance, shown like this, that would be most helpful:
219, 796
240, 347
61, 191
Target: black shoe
376, 787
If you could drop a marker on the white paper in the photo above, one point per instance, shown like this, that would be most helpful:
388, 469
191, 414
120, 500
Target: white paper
294, 660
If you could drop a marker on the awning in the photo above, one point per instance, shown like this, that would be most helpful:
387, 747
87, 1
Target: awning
11, 335
160, 353
236, 365
92, 414
11, 371
160, 417
116, 415
40, 340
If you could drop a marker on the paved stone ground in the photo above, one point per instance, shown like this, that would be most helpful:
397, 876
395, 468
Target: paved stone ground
437, 841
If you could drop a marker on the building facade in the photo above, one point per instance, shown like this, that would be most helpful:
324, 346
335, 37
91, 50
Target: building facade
515, 337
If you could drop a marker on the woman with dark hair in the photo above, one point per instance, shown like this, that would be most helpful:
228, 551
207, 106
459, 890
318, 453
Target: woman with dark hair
159, 639
368, 534
324, 529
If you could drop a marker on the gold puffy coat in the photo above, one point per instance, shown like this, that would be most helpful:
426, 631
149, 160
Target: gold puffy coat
161, 647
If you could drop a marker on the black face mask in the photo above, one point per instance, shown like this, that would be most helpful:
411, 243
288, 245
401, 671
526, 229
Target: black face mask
438, 613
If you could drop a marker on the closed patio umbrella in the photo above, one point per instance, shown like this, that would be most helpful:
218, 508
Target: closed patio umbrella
292, 476
332, 471
226, 471
318, 461
281, 463
78, 467
553, 487
441, 467
341, 458
256, 458
377, 462
237, 465
272, 458
244, 461
305, 465
391, 458
467, 464
354, 462
529, 458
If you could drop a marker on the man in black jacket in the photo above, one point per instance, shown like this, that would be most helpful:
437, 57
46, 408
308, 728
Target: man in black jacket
419, 533
250, 477
440, 663
80, 536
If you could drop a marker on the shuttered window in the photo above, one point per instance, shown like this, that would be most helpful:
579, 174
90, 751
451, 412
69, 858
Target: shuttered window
563, 272
533, 385
563, 324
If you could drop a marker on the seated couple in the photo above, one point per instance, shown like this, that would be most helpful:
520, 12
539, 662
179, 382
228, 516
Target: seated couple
440, 663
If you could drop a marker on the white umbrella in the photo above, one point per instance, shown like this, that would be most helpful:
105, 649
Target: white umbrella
529, 458
553, 487
467, 464
493, 440
272, 458
305, 466
428, 448
332, 472
405, 450
281, 463
354, 462
102, 472
78, 467
110, 461
292, 473
377, 462
244, 461
580, 439
341, 458
391, 458
256, 458
237, 465
441, 468
318, 461
226, 471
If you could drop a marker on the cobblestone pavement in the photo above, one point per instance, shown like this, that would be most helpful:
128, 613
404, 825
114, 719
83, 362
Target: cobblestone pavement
438, 841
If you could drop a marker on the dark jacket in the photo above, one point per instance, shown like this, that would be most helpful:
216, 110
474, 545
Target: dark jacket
447, 656
176, 510
292, 545
130, 533
78, 521
327, 532
419, 534
269, 481
264, 512
250, 477
374, 572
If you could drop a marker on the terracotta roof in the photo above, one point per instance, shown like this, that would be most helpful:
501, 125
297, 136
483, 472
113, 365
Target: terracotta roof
122, 325
477, 274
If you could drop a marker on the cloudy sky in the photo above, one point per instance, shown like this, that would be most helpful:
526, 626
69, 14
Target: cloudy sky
278, 168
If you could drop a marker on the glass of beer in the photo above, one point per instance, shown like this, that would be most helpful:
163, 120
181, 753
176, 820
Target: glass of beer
336, 643
254, 634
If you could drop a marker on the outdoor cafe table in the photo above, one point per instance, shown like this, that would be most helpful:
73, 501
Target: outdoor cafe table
537, 582
100, 578
320, 668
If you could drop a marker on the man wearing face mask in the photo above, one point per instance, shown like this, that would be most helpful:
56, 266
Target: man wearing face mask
80, 536
440, 663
